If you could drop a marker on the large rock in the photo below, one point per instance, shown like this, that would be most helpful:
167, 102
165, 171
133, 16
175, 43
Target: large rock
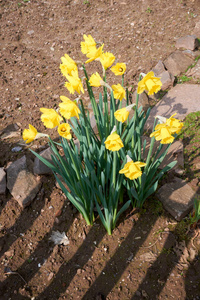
195, 71
192, 54
188, 42
39, 167
197, 29
177, 198
175, 152
177, 63
2, 181
181, 99
167, 80
159, 68
22, 184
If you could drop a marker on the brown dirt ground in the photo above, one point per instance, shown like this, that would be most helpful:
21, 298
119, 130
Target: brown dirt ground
34, 35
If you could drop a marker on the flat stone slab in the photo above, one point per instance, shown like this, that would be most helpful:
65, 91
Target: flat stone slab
181, 99
177, 198
22, 184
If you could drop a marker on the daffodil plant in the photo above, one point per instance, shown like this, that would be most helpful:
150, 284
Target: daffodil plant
108, 169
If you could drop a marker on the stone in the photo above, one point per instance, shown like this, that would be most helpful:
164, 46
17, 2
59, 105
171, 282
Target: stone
159, 68
192, 54
16, 149
9, 253
148, 257
175, 152
22, 184
188, 42
30, 32
177, 198
2, 181
10, 128
177, 63
167, 80
197, 29
9, 135
143, 100
39, 167
195, 71
181, 99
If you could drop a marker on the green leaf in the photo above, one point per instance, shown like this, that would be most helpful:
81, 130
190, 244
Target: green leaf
46, 162
134, 193
124, 207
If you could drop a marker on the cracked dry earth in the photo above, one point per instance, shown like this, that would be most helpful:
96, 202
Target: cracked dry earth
149, 255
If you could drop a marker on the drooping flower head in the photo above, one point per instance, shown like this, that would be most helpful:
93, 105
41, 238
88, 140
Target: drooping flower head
107, 59
89, 44
132, 170
68, 65
119, 69
122, 114
113, 141
150, 83
162, 133
64, 131
118, 91
74, 83
95, 80
50, 117
68, 108
94, 54
175, 125
29, 134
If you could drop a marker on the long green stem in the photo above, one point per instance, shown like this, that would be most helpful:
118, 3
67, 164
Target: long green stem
106, 108
123, 80
114, 168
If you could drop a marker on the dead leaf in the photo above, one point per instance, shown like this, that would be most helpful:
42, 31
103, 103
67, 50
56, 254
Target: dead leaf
9, 135
59, 238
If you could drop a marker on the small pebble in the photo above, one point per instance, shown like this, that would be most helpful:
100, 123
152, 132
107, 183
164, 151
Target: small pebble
16, 149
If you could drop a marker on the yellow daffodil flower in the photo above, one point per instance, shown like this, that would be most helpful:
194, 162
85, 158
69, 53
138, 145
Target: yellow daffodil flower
94, 54
107, 59
50, 117
119, 69
150, 83
95, 80
162, 133
175, 125
132, 170
64, 131
32, 134
122, 114
64, 99
89, 44
29, 134
113, 142
118, 91
74, 83
68, 65
68, 108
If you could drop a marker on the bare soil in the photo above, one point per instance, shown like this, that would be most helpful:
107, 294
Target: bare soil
142, 259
